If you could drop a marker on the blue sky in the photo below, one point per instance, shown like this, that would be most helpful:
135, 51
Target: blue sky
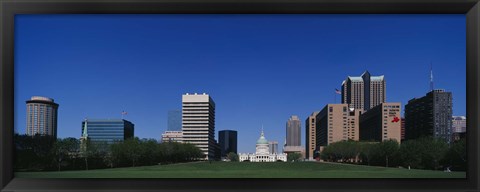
259, 69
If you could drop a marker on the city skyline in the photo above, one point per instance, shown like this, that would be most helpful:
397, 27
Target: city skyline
146, 73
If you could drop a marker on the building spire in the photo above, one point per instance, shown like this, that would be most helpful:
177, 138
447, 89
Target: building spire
85, 132
262, 131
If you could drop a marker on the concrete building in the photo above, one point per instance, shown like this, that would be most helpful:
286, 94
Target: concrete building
42, 115
262, 153
293, 131
430, 115
459, 128
382, 122
174, 122
198, 122
273, 147
364, 92
459, 124
294, 149
172, 136
107, 130
227, 140
310, 136
336, 122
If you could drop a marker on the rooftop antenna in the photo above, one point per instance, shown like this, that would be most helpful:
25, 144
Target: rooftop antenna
431, 77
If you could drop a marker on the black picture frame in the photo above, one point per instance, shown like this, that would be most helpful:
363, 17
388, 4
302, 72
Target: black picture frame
8, 9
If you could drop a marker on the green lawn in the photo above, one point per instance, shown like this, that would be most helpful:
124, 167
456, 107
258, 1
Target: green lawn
247, 170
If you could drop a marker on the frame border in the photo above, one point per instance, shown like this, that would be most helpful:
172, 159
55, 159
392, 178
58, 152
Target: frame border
8, 9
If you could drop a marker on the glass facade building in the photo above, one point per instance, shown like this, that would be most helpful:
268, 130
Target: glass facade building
227, 139
174, 120
108, 130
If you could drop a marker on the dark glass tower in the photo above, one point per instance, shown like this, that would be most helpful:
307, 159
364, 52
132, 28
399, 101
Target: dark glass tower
227, 139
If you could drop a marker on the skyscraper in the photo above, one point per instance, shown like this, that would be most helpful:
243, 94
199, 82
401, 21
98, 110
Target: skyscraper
174, 120
198, 122
227, 139
293, 131
310, 136
430, 115
364, 92
41, 116
107, 130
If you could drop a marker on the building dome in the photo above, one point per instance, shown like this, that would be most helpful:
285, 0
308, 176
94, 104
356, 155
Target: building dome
262, 139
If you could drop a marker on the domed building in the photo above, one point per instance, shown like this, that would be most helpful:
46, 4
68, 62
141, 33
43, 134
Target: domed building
262, 153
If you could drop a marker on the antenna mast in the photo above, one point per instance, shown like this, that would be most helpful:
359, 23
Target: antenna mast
431, 77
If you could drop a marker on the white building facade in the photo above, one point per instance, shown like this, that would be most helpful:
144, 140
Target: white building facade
172, 136
198, 122
459, 124
262, 153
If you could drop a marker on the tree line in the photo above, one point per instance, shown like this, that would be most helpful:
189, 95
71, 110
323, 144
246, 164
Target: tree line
45, 153
424, 153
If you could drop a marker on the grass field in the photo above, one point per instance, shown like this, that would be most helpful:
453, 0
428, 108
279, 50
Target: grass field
247, 170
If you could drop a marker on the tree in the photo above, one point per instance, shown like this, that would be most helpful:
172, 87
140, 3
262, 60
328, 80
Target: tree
232, 156
387, 149
411, 153
64, 149
293, 157
456, 157
432, 150
132, 149
367, 150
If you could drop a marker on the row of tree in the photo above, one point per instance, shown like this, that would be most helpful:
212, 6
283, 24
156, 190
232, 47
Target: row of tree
42, 153
423, 153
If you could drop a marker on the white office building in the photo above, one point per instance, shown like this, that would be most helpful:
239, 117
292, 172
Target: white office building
198, 122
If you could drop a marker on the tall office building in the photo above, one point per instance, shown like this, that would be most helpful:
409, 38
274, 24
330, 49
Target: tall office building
336, 122
107, 130
364, 92
174, 120
381, 122
227, 139
310, 136
273, 147
42, 116
430, 115
293, 131
198, 122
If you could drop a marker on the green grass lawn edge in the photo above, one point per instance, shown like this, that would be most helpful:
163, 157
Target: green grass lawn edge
248, 170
